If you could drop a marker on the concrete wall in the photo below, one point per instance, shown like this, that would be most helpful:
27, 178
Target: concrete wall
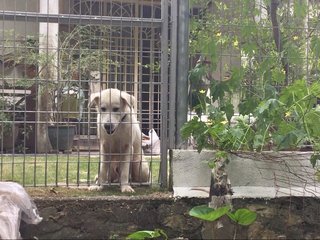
20, 27
266, 174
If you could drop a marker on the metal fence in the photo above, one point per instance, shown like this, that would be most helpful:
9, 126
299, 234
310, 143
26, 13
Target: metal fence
54, 54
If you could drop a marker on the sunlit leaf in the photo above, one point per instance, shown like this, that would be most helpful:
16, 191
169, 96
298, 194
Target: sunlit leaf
209, 214
144, 235
243, 216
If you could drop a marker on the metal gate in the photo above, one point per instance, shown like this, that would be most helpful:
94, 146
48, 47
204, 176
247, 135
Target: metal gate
54, 54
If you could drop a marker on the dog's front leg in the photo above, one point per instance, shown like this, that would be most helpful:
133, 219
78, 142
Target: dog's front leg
103, 175
140, 167
125, 170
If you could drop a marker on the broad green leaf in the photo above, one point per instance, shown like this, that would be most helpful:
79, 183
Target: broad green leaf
221, 155
315, 89
196, 74
208, 214
229, 110
314, 158
218, 89
312, 119
270, 91
247, 105
243, 216
209, 48
235, 79
189, 127
258, 141
278, 75
249, 48
211, 164
269, 106
293, 93
288, 141
293, 53
145, 234
236, 132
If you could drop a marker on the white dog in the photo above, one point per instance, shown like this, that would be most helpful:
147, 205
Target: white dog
120, 140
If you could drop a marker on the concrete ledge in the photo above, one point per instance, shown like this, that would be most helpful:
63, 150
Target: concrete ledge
191, 192
252, 175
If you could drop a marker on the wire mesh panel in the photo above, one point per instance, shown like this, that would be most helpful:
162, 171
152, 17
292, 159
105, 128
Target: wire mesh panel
54, 55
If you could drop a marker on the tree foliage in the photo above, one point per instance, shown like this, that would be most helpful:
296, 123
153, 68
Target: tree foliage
266, 54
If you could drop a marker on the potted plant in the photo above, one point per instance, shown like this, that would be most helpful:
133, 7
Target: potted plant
67, 103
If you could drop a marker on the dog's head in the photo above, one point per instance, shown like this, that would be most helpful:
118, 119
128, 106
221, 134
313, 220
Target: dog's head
113, 107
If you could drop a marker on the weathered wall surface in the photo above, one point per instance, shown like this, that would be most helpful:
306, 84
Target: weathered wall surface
112, 217
251, 174
116, 217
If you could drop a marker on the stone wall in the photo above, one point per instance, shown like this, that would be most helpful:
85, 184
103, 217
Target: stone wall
116, 217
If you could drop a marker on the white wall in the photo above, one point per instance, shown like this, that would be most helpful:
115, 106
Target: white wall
21, 28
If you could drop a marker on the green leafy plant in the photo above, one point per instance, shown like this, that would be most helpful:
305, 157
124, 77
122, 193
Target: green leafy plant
241, 216
147, 234
203, 212
273, 90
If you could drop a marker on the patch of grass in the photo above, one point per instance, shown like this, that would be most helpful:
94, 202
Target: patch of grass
54, 192
57, 170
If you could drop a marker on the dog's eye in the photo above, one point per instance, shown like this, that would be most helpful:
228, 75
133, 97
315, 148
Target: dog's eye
115, 109
103, 109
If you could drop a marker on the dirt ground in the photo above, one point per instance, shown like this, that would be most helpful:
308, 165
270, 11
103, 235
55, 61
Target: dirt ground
72, 213
83, 192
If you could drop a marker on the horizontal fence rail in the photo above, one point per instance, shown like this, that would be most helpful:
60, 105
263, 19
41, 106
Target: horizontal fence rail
79, 19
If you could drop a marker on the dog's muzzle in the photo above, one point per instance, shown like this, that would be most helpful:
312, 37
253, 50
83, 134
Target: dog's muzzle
109, 128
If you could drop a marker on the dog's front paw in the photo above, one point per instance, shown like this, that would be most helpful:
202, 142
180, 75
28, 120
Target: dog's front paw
96, 188
127, 188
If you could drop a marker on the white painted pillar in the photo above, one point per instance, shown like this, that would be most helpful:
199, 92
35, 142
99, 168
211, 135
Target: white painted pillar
48, 45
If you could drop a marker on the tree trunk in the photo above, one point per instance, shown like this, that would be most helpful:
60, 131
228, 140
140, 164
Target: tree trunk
273, 8
220, 195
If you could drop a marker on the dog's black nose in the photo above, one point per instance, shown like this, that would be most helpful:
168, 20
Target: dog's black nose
108, 127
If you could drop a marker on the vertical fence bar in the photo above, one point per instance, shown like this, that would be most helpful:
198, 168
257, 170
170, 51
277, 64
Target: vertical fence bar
173, 74
182, 68
164, 92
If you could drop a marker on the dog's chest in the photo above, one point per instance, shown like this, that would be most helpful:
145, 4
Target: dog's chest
116, 143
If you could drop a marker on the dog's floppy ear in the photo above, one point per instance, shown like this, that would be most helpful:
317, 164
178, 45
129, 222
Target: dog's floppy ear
129, 99
94, 99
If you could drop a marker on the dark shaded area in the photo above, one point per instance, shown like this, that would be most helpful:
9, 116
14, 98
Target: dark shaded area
116, 217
